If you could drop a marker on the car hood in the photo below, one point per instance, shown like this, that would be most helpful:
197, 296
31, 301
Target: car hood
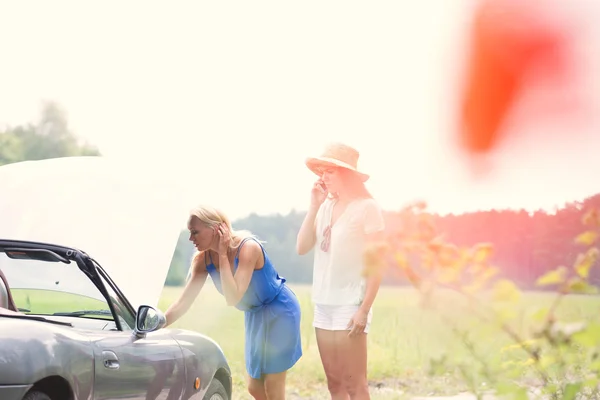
127, 217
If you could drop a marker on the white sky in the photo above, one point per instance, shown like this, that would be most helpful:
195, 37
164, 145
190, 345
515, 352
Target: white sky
232, 96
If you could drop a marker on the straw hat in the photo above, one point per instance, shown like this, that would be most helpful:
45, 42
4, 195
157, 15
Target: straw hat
336, 155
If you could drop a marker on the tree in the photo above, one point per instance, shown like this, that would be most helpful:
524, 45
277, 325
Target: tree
11, 148
50, 137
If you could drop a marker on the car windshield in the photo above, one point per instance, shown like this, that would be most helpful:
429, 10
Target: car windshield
53, 288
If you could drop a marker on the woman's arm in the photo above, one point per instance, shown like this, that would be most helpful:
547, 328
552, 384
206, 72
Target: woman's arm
374, 275
307, 235
190, 292
234, 286
373, 229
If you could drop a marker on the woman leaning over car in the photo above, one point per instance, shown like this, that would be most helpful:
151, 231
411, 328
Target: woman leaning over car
242, 272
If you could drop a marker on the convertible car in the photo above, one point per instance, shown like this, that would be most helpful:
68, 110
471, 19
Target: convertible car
69, 329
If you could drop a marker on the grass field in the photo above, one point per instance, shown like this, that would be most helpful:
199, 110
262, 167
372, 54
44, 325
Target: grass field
404, 338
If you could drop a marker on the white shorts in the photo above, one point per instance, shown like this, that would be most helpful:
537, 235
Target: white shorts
336, 318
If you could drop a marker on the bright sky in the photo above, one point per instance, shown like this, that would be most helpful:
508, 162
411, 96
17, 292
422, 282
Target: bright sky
232, 96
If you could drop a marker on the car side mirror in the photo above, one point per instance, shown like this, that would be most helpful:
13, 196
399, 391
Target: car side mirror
148, 319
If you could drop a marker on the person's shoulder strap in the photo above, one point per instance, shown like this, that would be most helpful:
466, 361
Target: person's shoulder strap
242, 243
207, 253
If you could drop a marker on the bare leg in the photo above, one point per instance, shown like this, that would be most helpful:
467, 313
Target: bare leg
353, 352
275, 386
332, 362
256, 388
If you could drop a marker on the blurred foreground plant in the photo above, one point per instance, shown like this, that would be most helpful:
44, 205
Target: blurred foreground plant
553, 358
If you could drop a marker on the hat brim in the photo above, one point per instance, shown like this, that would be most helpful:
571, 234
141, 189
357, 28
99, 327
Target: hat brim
315, 164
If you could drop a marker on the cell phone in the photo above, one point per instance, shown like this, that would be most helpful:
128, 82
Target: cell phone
322, 187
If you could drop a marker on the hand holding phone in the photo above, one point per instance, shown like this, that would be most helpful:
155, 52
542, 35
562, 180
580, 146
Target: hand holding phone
318, 193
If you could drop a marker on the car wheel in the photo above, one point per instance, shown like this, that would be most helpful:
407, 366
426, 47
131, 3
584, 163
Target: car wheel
35, 395
216, 391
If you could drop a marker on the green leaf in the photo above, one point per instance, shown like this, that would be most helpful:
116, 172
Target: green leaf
482, 252
505, 290
577, 285
590, 336
595, 366
547, 360
520, 394
591, 383
582, 266
553, 277
571, 390
587, 238
585, 261
541, 314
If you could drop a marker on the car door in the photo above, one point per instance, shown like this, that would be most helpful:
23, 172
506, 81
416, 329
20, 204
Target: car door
147, 368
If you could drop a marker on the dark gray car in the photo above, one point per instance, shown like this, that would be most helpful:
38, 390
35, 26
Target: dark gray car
68, 333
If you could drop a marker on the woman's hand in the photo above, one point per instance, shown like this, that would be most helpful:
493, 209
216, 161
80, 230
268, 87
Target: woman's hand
357, 323
318, 193
224, 239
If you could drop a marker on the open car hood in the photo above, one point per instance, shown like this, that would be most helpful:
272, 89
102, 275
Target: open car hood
128, 218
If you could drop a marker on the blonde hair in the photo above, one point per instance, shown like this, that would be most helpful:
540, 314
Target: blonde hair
211, 216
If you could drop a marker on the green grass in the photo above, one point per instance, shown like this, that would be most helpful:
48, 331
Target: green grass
404, 337
49, 301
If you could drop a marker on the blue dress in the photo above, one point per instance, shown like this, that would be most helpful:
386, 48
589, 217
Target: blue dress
272, 319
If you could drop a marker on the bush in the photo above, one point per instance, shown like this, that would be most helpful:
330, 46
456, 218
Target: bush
553, 356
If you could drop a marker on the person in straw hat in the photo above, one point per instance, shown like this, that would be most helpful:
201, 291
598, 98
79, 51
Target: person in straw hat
342, 218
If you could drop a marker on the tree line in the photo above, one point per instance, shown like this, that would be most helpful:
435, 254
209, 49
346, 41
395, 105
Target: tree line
526, 244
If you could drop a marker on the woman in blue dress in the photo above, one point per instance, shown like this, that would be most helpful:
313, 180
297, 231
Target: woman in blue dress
241, 271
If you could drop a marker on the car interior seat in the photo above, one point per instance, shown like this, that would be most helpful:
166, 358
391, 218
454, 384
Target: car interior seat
6, 300
3, 295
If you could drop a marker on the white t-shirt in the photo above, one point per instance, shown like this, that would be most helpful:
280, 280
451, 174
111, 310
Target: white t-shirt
338, 273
